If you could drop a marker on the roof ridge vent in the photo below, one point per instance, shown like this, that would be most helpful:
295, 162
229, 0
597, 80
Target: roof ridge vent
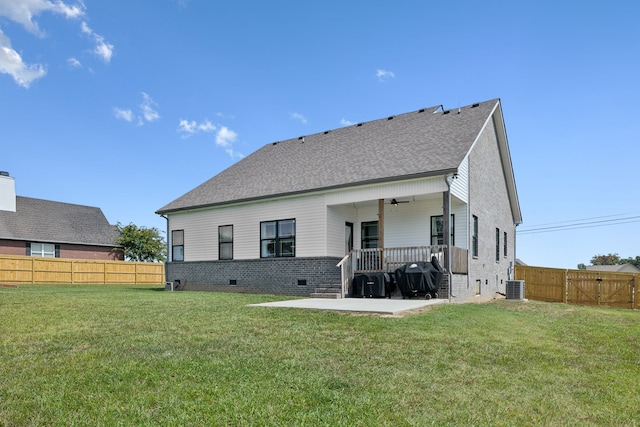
477, 104
446, 111
421, 110
390, 118
359, 124
326, 131
301, 139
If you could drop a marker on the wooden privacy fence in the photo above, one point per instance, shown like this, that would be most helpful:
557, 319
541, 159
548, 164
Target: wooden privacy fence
583, 287
25, 269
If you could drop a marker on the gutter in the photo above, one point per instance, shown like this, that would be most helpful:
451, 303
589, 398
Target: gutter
449, 179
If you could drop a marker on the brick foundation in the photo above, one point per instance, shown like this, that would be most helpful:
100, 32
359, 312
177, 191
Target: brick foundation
280, 276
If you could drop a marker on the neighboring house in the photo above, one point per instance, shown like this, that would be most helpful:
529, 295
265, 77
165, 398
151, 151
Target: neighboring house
620, 268
370, 196
43, 228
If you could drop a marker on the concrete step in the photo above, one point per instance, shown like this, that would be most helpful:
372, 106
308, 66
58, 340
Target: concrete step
325, 295
329, 290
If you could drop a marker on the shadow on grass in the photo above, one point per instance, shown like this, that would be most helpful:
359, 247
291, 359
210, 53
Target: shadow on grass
149, 289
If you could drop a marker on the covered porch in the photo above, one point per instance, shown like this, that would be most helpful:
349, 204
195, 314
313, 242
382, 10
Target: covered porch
387, 260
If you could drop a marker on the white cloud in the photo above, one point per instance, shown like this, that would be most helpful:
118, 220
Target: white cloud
123, 114
300, 117
188, 128
345, 122
148, 111
103, 49
23, 11
148, 108
384, 75
74, 63
225, 138
11, 63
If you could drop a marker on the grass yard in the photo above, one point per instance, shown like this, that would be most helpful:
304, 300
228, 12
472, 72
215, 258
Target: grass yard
135, 356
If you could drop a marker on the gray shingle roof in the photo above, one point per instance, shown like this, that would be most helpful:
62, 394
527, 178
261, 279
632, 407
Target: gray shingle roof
421, 143
39, 220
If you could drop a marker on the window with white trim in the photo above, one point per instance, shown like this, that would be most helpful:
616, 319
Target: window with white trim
45, 250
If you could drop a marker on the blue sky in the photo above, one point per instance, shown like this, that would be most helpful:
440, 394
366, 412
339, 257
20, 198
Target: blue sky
126, 105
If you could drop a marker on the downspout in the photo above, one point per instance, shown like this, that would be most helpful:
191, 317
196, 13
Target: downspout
167, 232
449, 179
168, 250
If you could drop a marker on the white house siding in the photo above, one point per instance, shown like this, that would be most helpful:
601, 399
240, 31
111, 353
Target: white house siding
337, 216
201, 227
409, 224
489, 201
460, 185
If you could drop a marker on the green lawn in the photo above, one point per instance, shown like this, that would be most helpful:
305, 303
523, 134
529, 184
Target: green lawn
125, 355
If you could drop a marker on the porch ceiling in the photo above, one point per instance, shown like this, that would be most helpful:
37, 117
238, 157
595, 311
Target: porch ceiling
400, 199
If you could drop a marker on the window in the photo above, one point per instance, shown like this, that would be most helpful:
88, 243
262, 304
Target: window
278, 238
369, 234
437, 229
474, 237
46, 250
497, 244
504, 244
225, 242
177, 245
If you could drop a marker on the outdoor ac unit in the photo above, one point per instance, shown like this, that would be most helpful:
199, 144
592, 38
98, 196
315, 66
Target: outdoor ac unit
515, 289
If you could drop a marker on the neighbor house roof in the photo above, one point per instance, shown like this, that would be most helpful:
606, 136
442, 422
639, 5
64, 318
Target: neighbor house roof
45, 221
627, 268
427, 142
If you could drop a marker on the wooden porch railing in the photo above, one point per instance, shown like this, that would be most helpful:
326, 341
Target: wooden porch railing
387, 260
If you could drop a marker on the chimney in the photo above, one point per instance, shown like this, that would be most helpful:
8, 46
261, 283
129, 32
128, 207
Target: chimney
7, 192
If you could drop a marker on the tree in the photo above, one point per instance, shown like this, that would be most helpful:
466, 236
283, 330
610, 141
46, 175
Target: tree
610, 259
635, 261
581, 266
141, 243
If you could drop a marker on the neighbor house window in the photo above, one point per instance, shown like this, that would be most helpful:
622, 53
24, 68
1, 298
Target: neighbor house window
177, 245
278, 238
369, 234
504, 244
474, 237
225, 242
437, 229
497, 244
46, 250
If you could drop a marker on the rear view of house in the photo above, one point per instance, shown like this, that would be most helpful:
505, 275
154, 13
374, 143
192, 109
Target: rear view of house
316, 210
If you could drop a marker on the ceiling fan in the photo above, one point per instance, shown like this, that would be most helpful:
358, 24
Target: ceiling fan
395, 202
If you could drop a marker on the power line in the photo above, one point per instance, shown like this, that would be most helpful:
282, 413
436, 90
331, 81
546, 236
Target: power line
584, 223
574, 221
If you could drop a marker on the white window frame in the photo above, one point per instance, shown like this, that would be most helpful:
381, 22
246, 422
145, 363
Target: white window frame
43, 250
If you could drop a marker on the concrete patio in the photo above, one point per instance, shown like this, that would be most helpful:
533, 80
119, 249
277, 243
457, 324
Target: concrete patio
361, 305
